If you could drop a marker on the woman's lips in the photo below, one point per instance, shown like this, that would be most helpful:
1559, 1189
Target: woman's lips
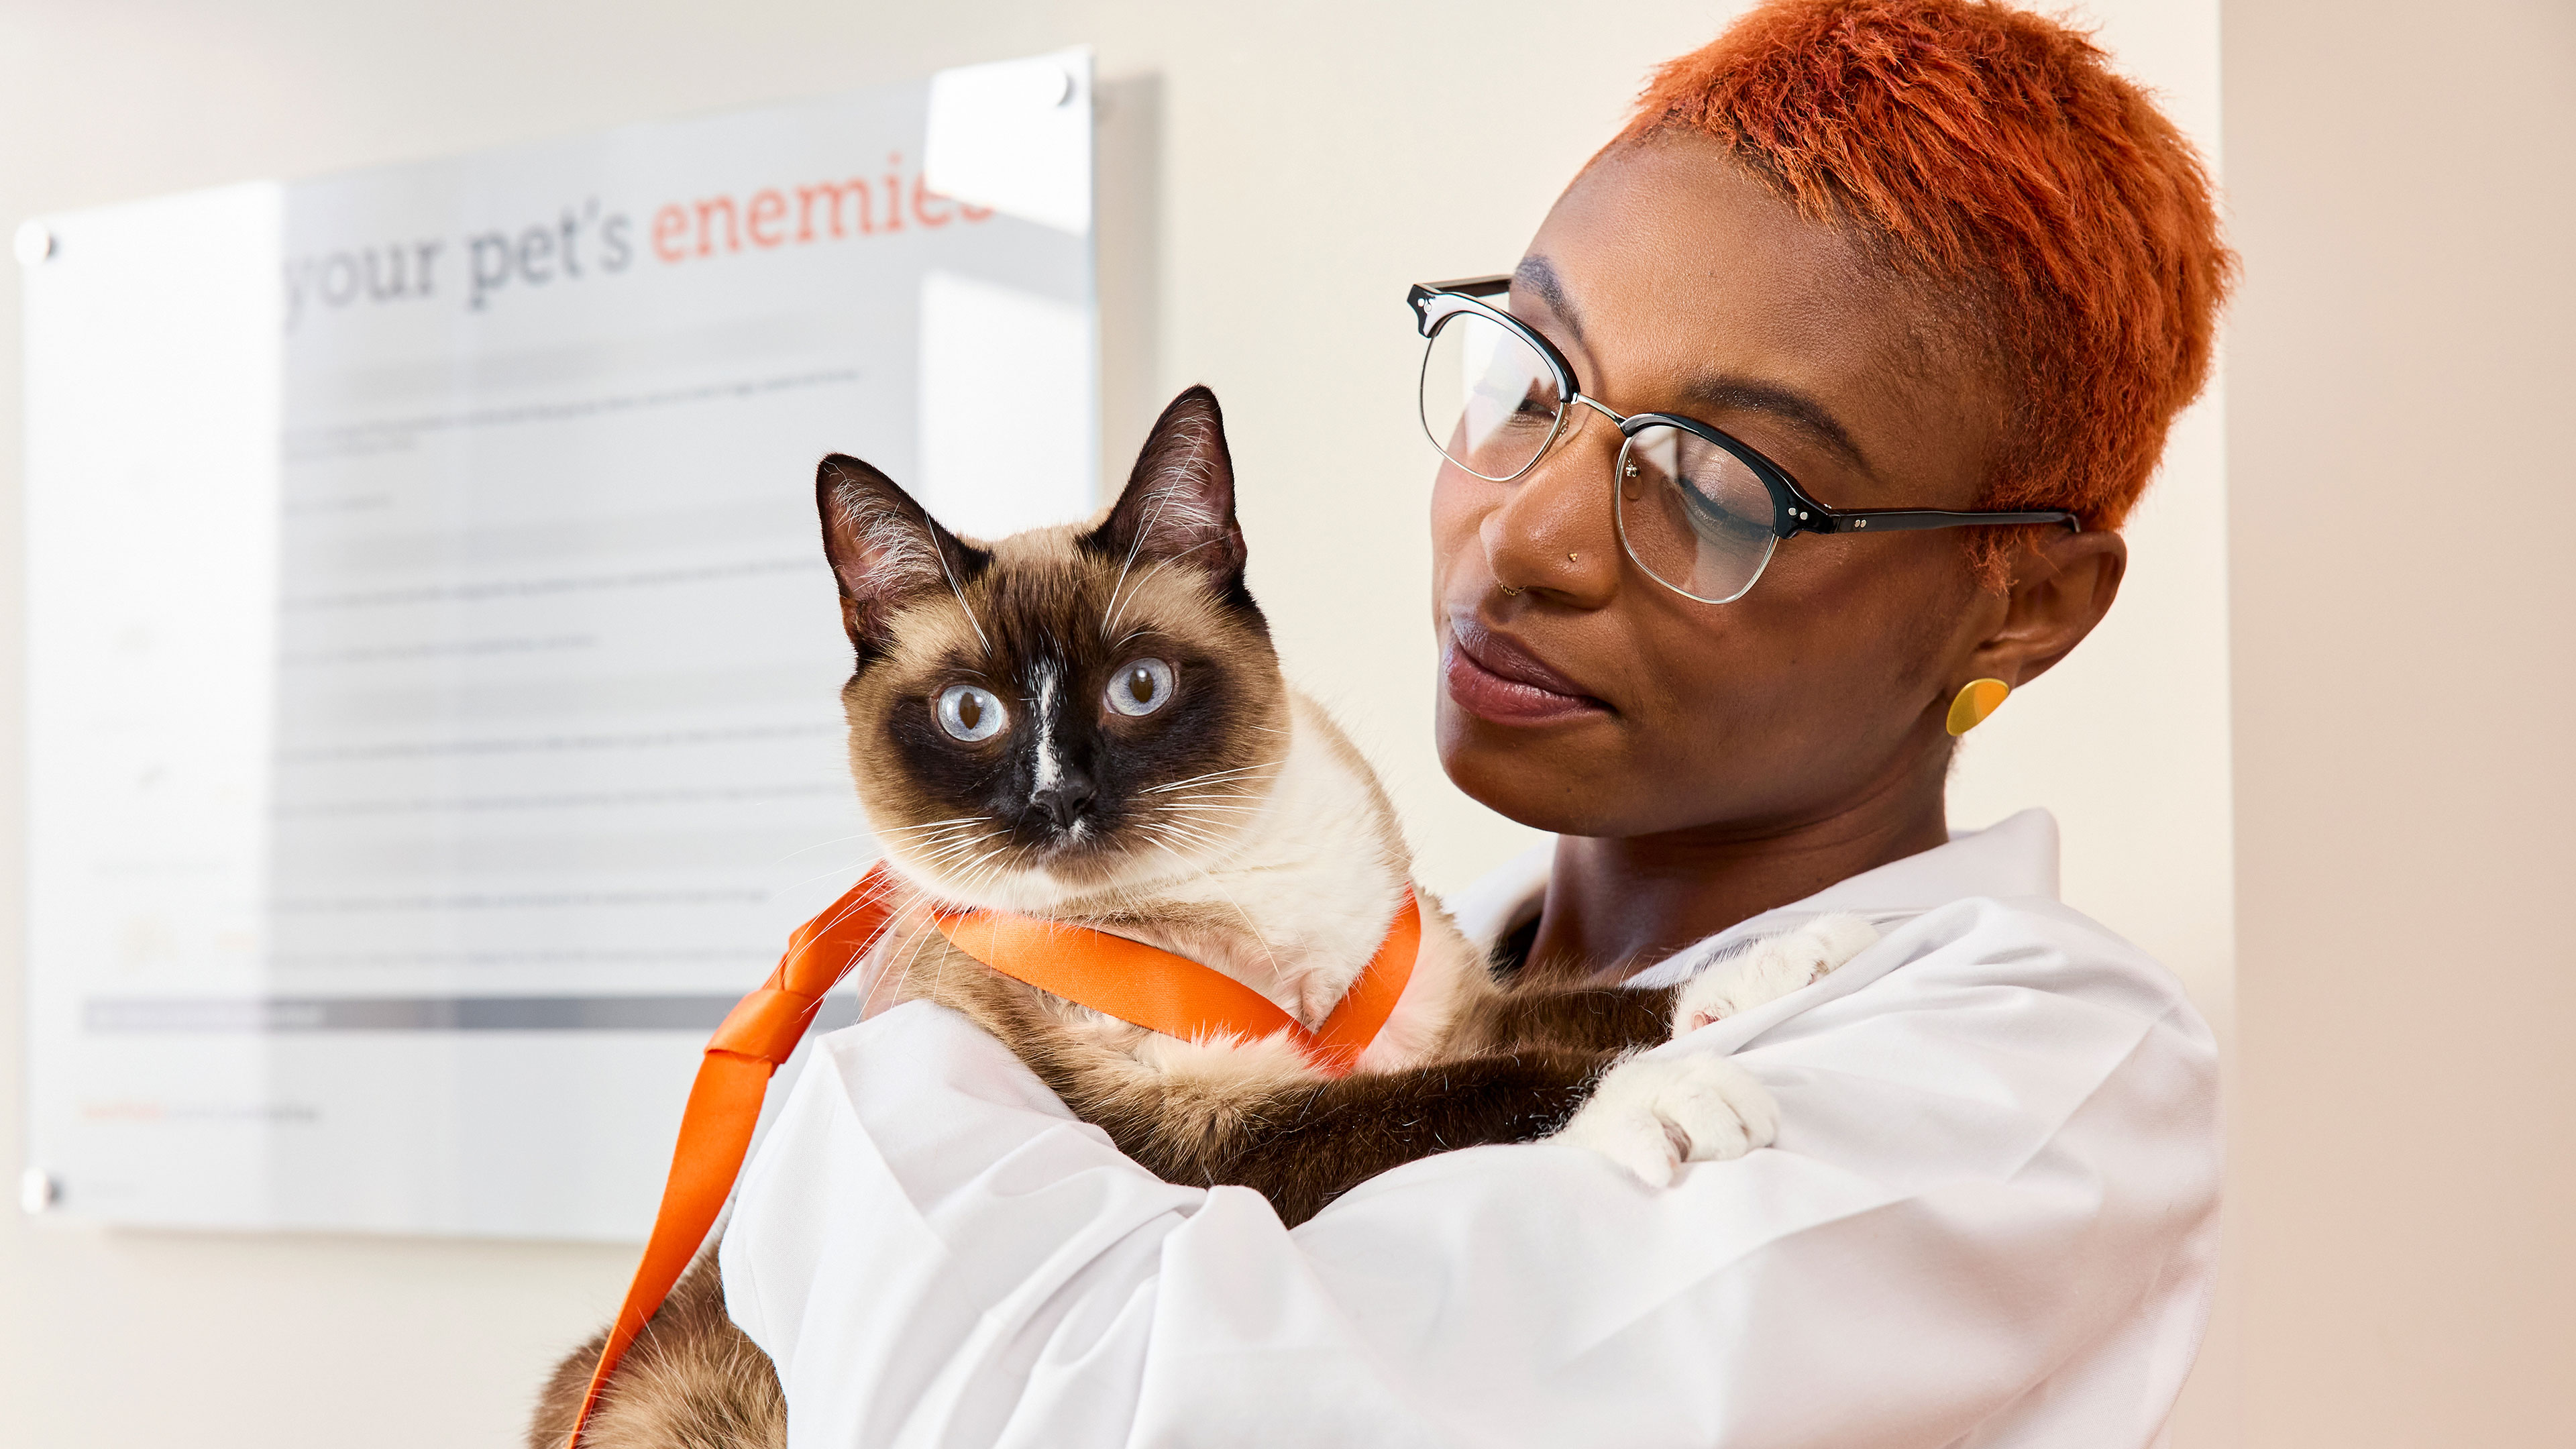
1496, 678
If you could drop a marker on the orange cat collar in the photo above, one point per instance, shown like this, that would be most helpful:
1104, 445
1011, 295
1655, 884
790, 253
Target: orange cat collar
1154, 989
1126, 979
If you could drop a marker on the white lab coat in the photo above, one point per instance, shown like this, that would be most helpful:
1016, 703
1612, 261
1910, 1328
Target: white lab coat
1990, 1219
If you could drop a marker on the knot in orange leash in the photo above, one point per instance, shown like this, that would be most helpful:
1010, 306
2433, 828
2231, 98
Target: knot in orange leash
1134, 982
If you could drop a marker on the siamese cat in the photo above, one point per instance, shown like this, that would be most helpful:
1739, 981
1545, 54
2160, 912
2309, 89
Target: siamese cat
1088, 724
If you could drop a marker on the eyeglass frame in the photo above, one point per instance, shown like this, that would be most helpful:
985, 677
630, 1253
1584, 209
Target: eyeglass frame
1794, 511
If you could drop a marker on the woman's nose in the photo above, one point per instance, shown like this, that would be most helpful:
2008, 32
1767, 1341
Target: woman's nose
1555, 532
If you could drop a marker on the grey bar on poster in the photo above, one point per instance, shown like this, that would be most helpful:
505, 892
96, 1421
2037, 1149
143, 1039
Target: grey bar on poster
165, 1014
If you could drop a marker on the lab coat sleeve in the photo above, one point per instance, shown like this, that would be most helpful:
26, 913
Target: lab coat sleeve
1996, 1165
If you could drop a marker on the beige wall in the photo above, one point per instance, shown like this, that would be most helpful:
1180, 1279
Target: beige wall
2402, 377
1306, 163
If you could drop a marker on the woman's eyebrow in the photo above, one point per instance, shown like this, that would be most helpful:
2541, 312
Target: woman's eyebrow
1536, 273
1723, 393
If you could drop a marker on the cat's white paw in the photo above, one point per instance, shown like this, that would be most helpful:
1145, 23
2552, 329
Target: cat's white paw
1653, 1114
1770, 970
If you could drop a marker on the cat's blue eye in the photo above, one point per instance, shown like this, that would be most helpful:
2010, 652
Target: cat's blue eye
1140, 687
969, 713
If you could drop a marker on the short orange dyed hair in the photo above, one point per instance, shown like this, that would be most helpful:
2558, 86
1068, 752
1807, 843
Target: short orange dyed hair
1995, 154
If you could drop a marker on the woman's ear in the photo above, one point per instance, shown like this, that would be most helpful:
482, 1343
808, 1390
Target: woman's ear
1178, 506
2060, 587
886, 551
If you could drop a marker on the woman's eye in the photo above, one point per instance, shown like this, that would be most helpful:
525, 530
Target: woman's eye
1141, 687
969, 713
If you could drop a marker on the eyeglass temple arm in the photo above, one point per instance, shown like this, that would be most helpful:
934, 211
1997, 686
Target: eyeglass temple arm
1423, 294
1901, 520
1471, 286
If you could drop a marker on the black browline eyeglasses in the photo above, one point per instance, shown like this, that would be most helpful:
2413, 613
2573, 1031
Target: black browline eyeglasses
1699, 510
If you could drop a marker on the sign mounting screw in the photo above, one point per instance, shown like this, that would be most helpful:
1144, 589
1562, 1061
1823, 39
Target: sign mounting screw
35, 242
37, 1191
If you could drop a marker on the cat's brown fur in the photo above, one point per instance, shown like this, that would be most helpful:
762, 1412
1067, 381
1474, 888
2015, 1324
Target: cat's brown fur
1237, 781
692, 1381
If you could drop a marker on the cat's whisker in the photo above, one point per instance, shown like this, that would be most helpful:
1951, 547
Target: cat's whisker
932, 842
951, 849
1108, 622
821, 845
949, 574
949, 866
935, 826
1195, 838
1228, 790
931, 825
979, 860
1179, 830
838, 870
856, 906
1204, 834
1192, 819
1212, 775
1135, 545
1196, 859
910, 948
944, 861
1216, 831
1187, 864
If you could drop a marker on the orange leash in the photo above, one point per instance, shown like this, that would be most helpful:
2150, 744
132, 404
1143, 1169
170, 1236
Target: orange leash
724, 1104
1126, 979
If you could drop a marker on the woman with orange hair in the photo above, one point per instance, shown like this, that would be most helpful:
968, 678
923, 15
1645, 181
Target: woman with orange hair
1918, 268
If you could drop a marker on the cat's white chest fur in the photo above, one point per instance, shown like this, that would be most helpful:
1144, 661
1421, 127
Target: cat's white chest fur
1296, 908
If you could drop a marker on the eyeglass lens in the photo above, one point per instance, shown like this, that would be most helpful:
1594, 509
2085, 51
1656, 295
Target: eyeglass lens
1693, 514
1489, 400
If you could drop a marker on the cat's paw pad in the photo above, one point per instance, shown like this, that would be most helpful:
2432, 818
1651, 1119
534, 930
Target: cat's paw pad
1653, 1114
1770, 970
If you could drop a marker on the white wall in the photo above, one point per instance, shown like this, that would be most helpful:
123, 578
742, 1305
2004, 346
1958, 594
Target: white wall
1310, 161
2401, 384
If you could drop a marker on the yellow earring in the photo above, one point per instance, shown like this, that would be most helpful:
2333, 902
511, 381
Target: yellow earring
1976, 700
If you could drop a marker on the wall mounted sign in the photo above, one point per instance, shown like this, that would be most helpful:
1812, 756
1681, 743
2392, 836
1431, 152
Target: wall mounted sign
432, 674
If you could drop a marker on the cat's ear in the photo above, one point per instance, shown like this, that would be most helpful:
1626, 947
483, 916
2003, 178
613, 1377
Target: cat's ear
1178, 507
886, 550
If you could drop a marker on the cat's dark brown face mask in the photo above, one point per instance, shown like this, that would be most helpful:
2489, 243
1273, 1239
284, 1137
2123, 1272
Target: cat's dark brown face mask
1066, 712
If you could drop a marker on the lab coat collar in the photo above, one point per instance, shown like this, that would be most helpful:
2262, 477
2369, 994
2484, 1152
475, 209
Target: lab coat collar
2016, 857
